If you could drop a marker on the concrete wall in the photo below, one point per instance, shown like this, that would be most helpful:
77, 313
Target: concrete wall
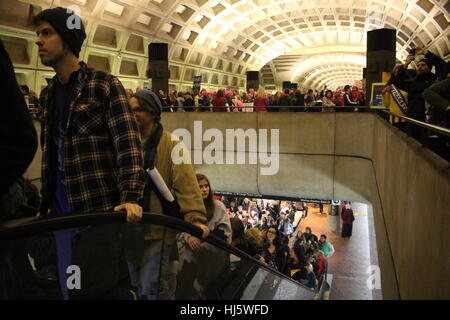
313, 161
414, 186
356, 157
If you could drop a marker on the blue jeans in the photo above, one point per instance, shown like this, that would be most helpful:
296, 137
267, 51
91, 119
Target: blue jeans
148, 273
63, 238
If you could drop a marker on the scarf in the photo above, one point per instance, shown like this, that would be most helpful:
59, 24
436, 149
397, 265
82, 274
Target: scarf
150, 147
399, 99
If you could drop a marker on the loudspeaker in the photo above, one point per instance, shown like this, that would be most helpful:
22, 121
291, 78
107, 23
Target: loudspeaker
381, 40
252, 80
158, 51
252, 75
286, 84
381, 45
158, 66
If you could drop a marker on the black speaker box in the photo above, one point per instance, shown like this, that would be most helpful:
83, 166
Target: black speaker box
381, 40
158, 51
286, 84
252, 75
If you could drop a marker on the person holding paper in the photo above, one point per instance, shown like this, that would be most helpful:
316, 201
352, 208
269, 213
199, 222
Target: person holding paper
157, 244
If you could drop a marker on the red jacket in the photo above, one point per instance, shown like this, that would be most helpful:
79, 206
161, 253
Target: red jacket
261, 103
219, 102
321, 266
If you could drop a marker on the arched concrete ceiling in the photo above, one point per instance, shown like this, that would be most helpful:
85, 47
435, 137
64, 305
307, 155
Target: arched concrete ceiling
223, 39
318, 70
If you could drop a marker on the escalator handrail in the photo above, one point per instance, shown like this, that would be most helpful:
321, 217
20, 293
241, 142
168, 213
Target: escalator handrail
432, 127
19, 228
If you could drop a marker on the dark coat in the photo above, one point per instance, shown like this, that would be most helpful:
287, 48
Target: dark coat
18, 137
347, 216
280, 258
284, 100
415, 87
438, 96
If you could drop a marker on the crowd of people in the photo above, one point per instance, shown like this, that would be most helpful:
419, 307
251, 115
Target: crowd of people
270, 232
260, 100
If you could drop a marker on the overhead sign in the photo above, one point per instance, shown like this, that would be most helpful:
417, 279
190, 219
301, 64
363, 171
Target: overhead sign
253, 195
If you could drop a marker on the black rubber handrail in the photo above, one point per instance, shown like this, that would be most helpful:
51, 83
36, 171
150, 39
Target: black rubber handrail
20, 228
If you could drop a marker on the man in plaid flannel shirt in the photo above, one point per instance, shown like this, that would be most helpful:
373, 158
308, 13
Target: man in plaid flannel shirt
92, 158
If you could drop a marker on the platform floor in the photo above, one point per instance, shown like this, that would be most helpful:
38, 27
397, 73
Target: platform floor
349, 263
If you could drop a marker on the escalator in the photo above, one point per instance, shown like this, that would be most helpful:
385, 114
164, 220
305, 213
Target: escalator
104, 260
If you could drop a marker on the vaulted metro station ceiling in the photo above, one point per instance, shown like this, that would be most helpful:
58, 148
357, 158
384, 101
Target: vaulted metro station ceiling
323, 40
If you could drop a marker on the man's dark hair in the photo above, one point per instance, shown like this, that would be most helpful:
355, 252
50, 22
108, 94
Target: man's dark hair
323, 235
237, 228
37, 20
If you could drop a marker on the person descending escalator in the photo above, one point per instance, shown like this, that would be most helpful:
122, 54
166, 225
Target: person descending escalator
200, 263
87, 123
147, 244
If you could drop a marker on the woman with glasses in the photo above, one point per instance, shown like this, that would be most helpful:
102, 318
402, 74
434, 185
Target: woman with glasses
276, 254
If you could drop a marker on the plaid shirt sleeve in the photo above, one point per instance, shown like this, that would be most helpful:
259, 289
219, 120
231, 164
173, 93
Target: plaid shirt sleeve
127, 143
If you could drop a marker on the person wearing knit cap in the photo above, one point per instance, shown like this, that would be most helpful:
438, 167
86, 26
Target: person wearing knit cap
153, 280
91, 159
429, 64
415, 87
59, 45
67, 24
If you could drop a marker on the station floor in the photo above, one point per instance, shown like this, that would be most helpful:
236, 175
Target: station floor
348, 265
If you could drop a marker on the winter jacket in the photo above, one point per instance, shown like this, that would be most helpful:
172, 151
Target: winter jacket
320, 266
284, 101
261, 104
102, 147
220, 103
181, 180
415, 87
347, 216
18, 137
438, 96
